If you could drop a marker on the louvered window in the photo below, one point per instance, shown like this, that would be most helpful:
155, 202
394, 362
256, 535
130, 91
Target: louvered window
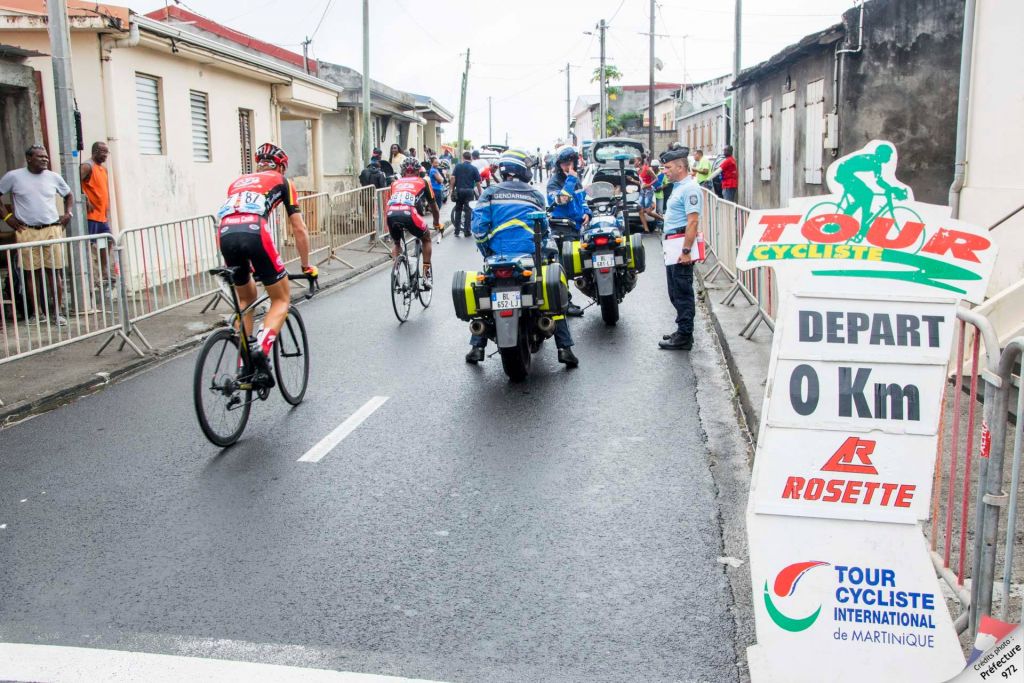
766, 139
245, 138
200, 125
814, 132
147, 104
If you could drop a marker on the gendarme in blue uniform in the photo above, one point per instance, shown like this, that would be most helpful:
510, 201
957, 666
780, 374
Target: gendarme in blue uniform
686, 198
561, 185
499, 223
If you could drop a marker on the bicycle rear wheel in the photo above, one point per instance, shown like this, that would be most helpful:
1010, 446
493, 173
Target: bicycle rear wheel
425, 295
222, 406
291, 358
401, 288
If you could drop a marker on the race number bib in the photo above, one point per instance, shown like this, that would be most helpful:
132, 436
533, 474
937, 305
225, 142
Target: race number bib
403, 199
244, 202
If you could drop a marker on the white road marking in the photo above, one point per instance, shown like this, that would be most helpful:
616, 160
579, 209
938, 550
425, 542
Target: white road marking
20, 662
317, 452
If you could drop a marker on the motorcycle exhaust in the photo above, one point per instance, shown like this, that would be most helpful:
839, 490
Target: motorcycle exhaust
546, 325
478, 328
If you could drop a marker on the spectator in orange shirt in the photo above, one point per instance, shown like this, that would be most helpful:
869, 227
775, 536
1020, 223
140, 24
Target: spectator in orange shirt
96, 188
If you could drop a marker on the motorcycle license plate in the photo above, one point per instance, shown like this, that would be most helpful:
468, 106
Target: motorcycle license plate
506, 301
604, 260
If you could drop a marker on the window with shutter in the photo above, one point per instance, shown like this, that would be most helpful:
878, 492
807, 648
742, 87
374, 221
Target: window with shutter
814, 131
766, 139
147, 105
200, 125
245, 139
748, 147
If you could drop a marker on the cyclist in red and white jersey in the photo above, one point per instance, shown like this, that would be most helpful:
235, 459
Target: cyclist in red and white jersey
410, 196
246, 243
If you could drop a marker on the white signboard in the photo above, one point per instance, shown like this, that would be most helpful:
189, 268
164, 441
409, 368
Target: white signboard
852, 395
844, 475
828, 609
828, 327
869, 281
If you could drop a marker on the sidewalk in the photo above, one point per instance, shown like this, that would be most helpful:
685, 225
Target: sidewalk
747, 359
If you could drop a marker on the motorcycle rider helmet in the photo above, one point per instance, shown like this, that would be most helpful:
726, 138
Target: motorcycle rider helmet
411, 166
515, 163
568, 154
269, 150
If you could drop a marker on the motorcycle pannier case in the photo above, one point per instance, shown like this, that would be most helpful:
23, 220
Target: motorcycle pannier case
466, 293
572, 260
636, 257
555, 289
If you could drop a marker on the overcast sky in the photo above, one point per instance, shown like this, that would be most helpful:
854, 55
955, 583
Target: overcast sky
518, 48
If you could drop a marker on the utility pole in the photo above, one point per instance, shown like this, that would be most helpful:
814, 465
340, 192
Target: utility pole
568, 106
490, 131
64, 94
604, 105
736, 74
367, 124
462, 107
650, 92
305, 53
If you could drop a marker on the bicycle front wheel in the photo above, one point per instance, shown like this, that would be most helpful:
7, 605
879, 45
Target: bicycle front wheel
291, 358
401, 288
425, 295
222, 406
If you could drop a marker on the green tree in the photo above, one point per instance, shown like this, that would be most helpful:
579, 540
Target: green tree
611, 73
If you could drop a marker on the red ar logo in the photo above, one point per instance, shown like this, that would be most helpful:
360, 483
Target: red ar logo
852, 449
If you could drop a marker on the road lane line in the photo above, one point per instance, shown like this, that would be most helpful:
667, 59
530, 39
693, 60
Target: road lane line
317, 452
21, 662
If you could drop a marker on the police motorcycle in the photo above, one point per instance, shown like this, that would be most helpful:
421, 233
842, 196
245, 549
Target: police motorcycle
513, 302
605, 260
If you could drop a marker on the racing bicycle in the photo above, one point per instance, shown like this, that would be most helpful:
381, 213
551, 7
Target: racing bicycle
225, 377
407, 280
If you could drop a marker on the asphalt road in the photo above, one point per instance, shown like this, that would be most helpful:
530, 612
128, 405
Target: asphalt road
563, 529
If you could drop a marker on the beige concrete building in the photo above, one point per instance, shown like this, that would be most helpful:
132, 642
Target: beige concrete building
182, 113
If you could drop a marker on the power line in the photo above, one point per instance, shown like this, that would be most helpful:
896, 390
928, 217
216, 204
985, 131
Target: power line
327, 8
616, 13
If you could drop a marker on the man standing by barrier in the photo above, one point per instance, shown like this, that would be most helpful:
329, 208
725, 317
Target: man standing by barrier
35, 218
729, 175
96, 188
465, 183
682, 217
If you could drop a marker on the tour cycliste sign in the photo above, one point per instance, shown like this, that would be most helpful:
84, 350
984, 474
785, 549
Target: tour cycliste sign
868, 281
870, 227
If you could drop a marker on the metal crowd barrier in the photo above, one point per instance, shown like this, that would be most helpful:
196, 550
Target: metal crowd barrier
952, 535
58, 291
108, 286
723, 224
992, 548
967, 548
165, 266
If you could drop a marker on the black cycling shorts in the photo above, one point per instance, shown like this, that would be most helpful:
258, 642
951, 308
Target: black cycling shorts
249, 248
404, 221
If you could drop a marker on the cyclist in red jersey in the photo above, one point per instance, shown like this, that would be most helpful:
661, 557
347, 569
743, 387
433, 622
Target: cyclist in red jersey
246, 243
410, 195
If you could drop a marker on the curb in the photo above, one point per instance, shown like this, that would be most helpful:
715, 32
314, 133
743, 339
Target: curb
746, 405
12, 414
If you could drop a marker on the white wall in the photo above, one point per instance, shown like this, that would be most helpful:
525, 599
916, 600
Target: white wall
995, 139
171, 185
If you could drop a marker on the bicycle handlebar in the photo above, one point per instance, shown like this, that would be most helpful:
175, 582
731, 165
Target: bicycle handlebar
312, 282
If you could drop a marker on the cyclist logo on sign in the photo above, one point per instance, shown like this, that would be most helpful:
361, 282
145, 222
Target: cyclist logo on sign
850, 177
